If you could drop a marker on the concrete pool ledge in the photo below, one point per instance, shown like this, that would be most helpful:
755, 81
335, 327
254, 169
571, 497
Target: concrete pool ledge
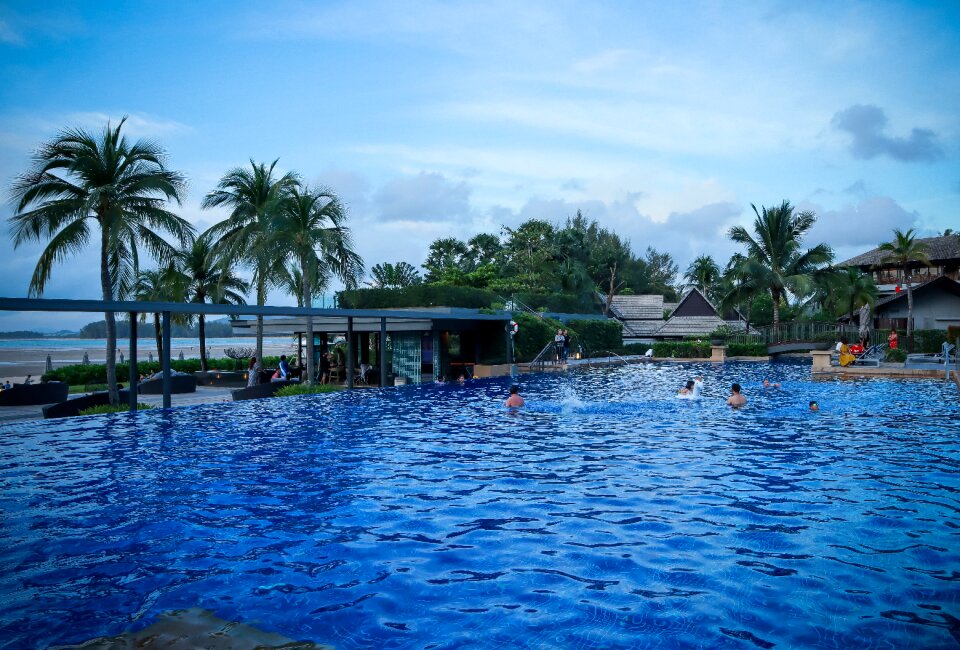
823, 368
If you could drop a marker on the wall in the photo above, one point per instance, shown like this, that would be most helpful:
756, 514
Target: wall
933, 310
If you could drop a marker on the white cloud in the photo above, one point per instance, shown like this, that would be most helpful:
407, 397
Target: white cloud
602, 61
424, 197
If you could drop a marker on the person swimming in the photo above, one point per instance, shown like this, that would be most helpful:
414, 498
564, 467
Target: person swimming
767, 384
514, 401
736, 398
814, 407
687, 390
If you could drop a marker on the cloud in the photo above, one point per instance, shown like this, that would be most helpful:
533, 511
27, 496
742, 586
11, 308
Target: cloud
424, 197
859, 188
138, 125
8, 35
867, 124
573, 185
859, 226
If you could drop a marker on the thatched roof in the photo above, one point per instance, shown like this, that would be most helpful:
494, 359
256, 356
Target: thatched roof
645, 307
939, 249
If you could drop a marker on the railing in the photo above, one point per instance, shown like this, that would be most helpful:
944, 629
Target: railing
548, 351
604, 354
807, 332
523, 306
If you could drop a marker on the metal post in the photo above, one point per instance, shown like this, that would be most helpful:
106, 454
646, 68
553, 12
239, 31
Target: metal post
383, 352
165, 361
351, 357
134, 377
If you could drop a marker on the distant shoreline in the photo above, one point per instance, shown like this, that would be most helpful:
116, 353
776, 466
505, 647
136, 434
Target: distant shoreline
18, 361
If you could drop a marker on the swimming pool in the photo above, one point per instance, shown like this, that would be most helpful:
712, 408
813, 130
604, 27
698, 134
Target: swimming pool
607, 513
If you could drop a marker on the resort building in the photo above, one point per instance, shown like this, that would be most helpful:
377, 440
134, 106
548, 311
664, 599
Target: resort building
936, 306
944, 255
644, 318
422, 345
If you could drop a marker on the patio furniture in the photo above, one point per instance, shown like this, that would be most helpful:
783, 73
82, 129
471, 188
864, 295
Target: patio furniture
267, 389
178, 384
72, 407
31, 394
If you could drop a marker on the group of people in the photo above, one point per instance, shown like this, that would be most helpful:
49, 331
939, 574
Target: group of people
562, 344
254, 367
848, 353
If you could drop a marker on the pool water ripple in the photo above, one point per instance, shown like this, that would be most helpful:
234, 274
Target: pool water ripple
607, 513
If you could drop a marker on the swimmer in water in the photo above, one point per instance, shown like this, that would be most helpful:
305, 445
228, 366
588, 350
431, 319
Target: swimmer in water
736, 399
514, 401
814, 407
767, 384
687, 390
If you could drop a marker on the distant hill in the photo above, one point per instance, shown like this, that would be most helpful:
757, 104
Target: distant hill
214, 329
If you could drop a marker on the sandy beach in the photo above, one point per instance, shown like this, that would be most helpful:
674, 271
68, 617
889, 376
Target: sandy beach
16, 362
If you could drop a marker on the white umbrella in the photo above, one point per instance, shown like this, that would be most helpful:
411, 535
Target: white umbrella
181, 355
49, 367
151, 357
865, 320
86, 359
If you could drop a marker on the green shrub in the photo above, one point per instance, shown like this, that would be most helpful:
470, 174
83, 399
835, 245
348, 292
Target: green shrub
927, 341
421, 295
896, 356
81, 375
682, 349
113, 408
306, 389
533, 335
747, 349
596, 335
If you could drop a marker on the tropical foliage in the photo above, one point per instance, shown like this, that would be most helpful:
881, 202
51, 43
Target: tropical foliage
774, 259
82, 185
903, 250
395, 276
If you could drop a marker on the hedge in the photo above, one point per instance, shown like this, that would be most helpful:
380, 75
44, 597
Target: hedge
83, 374
558, 302
747, 349
306, 389
113, 408
598, 335
421, 295
927, 341
533, 335
682, 349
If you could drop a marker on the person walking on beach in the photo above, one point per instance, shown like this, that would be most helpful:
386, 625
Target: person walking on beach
736, 399
514, 401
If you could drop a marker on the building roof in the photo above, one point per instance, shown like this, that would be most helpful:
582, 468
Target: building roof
940, 282
938, 249
641, 328
644, 307
694, 303
690, 325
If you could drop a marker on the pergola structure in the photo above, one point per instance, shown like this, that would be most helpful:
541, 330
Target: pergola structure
348, 321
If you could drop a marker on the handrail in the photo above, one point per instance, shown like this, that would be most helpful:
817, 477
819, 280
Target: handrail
523, 306
539, 359
609, 354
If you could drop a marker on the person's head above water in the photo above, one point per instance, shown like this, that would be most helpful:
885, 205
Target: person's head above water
691, 384
814, 406
514, 389
735, 388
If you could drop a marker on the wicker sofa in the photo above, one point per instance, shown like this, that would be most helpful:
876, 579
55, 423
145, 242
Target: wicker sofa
31, 394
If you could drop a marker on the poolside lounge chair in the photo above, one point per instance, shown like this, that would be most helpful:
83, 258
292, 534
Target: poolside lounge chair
178, 384
32, 394
72, 407
872, 356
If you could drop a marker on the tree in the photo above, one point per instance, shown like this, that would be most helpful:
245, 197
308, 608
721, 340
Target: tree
738, 286
704, 274
482, 249
774, 257
310, 227
254, 196
902, 250
395, 276
204, 275
159, 285
445, 254
78, 181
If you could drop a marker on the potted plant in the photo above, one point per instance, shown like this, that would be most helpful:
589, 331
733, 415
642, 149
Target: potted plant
720, 335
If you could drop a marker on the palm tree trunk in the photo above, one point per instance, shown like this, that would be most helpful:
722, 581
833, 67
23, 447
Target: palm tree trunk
109, 318
261, 301
775, 295
202, 327
158, 336
909, 318
307, 302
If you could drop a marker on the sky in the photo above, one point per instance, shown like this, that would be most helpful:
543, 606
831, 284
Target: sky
662, 121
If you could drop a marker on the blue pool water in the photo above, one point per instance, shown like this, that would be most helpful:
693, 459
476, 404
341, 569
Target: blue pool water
607, 513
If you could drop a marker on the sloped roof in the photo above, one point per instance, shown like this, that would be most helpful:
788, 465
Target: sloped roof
644, 307
938, 249
941, 282
641, 328
695, 303
690, 325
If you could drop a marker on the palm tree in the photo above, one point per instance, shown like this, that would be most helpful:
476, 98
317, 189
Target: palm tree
855, 288
121, 187
158, 285
206, 276
774, 258
394, 276
704, 274
311, 228
905, 249
254, 196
